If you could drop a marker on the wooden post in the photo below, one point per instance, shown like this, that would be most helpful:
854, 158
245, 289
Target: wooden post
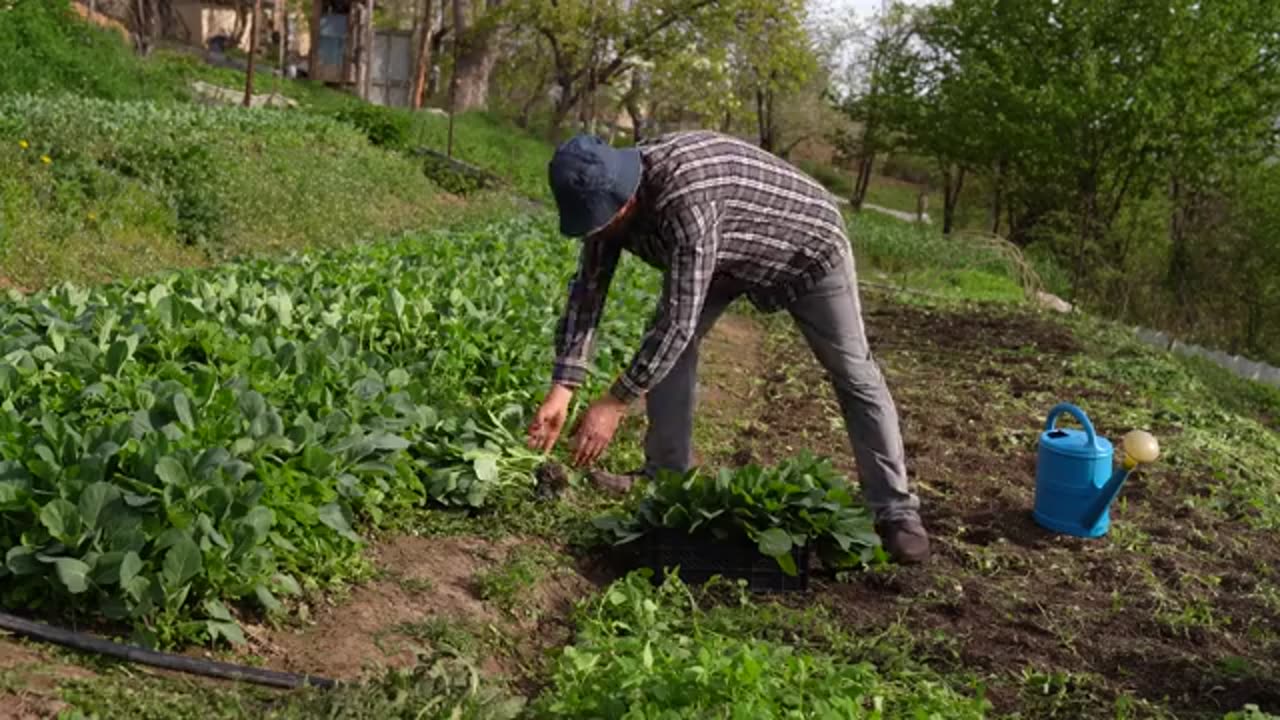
253, 51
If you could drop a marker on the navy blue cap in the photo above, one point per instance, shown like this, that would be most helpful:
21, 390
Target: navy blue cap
591, 181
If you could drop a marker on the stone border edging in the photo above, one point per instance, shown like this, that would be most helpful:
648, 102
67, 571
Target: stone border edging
1240, 366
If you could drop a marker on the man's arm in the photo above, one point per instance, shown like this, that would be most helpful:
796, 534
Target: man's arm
693, 236
575, 331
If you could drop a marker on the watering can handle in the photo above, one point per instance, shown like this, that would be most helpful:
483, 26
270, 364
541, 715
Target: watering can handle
1075, 412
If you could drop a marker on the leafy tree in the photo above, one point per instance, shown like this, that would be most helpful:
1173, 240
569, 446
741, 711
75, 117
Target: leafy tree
593, 43
880, 96
774, 56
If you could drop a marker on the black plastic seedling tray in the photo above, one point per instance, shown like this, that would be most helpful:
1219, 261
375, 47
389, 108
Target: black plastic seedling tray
701, 556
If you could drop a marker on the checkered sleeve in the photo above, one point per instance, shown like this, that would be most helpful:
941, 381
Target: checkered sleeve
691, 236
575, 331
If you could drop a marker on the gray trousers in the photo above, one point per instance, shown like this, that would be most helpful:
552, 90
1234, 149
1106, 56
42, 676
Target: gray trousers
830, 317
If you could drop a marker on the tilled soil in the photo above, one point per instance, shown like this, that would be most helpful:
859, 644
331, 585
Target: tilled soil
430, 596
1172, 607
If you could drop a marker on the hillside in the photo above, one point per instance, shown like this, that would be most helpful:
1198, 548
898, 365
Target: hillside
121, 171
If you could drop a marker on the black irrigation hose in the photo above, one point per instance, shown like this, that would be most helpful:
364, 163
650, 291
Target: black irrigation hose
169, 661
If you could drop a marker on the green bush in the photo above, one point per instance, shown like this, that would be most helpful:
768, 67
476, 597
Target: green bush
517, 157
455, 178
384, 126
835, 180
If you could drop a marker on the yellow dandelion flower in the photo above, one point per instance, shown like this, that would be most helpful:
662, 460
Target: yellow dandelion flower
46, 159
24, 144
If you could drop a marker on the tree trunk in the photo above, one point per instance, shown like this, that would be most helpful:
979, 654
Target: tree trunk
366, 53
313, 54
564, 104
997, 197
437, 48
282, 21
241, 26
765, 122
1253, 327
951, 188
1088, 216
862, 181
144, 23
476, 57
425, 29
1180, 271
632, 103
349, 47
253, 52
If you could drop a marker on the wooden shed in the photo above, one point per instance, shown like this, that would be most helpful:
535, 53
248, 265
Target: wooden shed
377, 64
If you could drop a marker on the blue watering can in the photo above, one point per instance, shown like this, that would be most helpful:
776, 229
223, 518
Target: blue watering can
1075, 482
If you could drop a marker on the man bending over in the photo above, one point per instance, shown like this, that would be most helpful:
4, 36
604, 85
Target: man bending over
721, 219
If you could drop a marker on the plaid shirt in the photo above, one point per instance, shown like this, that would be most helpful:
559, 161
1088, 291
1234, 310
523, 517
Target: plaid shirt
709, 207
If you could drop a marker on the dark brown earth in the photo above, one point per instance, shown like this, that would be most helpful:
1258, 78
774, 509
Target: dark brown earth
1164, 609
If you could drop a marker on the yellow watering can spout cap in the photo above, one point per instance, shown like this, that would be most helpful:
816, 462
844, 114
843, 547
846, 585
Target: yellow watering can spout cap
1141, 446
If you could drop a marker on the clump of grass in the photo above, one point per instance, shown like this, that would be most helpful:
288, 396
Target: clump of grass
439, 687
508, 585
444, 634
653, 652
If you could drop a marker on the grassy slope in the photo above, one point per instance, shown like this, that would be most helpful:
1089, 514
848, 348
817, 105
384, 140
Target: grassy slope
140, 179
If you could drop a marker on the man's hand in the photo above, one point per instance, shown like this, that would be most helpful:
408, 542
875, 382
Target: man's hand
547, 423
595, 430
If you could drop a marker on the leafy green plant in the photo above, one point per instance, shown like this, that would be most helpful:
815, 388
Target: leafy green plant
455, 178
173, 443
646, 652
802, 502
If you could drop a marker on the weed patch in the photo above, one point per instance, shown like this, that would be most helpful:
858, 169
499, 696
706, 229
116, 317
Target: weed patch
649, 653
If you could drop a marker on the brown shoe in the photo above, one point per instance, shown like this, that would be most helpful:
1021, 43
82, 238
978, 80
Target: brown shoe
614, 483
905, 540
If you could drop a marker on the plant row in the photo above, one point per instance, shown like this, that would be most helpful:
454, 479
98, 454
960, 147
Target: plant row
173, 443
